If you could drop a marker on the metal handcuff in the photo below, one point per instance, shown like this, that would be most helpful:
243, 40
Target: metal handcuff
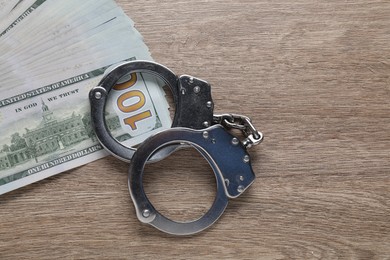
195, 125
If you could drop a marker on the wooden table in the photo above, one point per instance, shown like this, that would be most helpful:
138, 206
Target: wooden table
313, 75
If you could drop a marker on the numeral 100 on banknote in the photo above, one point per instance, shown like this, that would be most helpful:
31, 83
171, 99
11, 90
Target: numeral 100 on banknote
133, 104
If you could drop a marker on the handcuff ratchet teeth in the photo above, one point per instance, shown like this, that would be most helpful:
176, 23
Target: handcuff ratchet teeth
194, 125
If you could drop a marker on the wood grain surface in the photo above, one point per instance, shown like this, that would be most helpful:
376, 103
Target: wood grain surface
314, 77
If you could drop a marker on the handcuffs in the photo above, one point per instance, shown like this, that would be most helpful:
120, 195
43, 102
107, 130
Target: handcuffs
195, 125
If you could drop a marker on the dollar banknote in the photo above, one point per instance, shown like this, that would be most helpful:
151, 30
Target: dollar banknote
51, 54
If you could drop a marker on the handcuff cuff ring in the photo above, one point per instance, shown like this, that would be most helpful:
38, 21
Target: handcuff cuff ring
230, 163
98, 98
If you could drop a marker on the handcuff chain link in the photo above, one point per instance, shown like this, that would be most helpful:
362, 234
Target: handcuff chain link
243, 123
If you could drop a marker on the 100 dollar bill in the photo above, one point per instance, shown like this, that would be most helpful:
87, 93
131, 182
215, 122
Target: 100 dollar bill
47, 130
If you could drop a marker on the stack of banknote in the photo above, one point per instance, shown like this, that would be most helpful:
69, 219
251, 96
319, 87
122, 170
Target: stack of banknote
51, 54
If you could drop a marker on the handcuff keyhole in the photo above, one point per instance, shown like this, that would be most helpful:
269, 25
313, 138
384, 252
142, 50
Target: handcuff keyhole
181, 187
